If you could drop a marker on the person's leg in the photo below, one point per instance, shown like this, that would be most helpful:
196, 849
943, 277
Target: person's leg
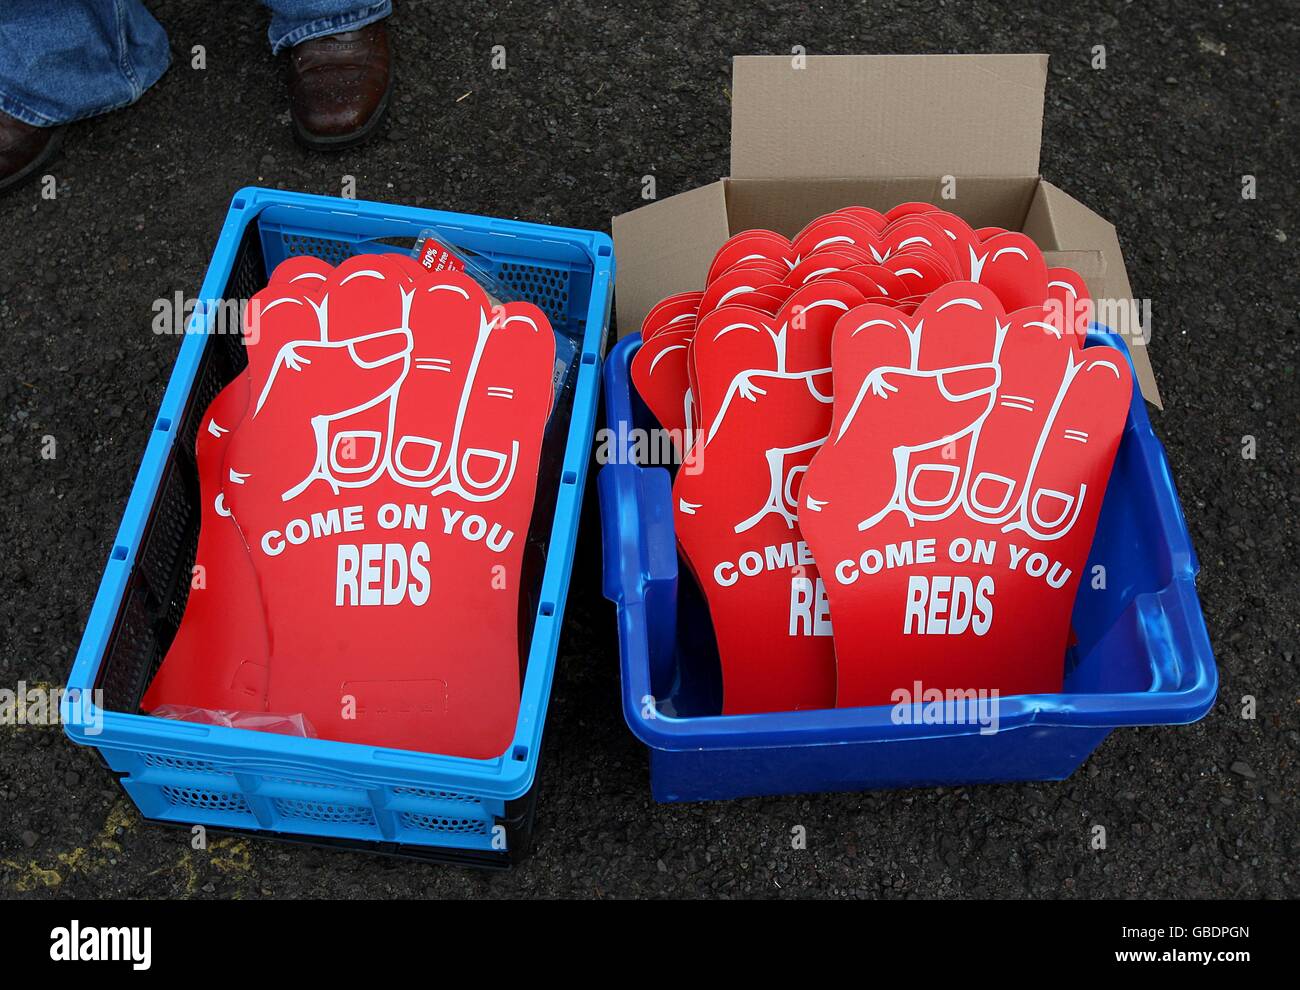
63, 61
296, 21
340, 72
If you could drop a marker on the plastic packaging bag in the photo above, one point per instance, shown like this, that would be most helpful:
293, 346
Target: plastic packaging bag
282, 724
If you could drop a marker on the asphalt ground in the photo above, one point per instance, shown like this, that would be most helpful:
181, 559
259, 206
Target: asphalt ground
1192, 98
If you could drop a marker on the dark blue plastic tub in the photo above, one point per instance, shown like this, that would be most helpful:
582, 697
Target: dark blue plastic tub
1143, 655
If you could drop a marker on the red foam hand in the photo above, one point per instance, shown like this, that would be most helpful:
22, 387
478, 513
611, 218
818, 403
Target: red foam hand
918, 234
876, 280
764, 407
1069, 305
964, 240
676, 312
975, 592
915, 234
959, 233
908, 209
768, 299
383, 477
750, 245
661, 375
745, 276
214, 662
864, 214
921, 273
1013, 267
724, 366
833, 232
825, 263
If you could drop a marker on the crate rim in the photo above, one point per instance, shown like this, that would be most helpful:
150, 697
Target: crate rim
506, 777
619, 483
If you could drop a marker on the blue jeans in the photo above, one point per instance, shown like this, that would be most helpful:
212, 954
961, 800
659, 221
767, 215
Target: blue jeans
62, 60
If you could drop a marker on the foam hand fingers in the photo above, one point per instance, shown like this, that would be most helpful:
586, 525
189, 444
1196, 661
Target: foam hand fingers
1069, 305
214, 662
1065, 481
304, 271
957, 327
660, 373
676, 312
806, 322
449, 323
1033, 359
867, 337
728, 341
751, 245
850, 485
1012, 266
735, 514
745, 277
509, 384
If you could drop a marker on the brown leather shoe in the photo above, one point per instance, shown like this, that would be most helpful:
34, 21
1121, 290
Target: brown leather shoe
24, 149
339, 85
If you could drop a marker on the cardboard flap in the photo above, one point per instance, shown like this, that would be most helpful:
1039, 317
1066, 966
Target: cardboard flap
886, 115
666, 247
1091, 265
786, 205
1060, 223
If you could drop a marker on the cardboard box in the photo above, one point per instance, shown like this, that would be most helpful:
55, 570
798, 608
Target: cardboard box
812, 135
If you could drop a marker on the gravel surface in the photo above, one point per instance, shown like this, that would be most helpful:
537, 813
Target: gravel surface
596, 96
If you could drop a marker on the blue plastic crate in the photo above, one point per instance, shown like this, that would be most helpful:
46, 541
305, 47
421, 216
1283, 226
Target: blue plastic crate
424, 804
1143, 655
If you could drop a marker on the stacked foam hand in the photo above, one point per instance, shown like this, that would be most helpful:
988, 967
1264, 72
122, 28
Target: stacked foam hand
895, 448
367, 484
